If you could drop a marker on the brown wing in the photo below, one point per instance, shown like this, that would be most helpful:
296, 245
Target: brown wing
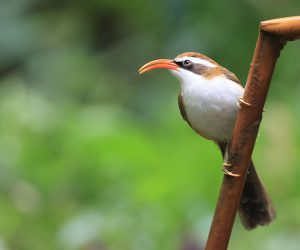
181, 108
231, 76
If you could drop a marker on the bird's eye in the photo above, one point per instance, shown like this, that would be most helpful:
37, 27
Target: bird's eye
187, 63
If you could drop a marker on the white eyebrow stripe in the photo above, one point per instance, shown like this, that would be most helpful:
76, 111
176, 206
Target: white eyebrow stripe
197, 60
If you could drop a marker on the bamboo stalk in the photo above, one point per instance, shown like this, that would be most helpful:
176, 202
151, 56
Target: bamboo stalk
272, 37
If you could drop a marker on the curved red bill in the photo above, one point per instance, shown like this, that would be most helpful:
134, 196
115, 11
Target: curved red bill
159, 64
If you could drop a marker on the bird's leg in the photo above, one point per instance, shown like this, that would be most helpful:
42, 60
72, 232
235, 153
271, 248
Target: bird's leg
226, 164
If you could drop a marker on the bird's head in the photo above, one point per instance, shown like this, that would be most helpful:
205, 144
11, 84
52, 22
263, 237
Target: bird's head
186, 65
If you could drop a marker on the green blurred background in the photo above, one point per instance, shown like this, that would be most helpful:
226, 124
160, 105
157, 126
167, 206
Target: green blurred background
95, 157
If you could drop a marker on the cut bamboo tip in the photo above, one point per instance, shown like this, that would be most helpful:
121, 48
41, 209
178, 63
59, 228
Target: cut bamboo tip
287, 28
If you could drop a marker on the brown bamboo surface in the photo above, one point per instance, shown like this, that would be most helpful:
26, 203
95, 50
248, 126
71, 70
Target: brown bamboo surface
272, 37
287, 28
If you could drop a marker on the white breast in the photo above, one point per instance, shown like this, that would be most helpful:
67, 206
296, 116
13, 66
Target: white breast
210, 105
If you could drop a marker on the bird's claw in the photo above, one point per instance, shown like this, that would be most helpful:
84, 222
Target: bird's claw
241, 100
227, 172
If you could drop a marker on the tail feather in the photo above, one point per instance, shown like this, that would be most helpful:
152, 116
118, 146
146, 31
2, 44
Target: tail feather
256, 208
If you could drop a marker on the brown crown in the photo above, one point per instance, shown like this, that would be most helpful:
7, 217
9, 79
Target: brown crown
195, 54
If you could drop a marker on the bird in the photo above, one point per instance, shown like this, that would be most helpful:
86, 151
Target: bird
210, 97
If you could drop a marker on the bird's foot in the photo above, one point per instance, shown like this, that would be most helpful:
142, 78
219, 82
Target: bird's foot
241, 100
227, 172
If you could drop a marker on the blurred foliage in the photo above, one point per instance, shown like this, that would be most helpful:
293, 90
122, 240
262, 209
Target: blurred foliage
95, 157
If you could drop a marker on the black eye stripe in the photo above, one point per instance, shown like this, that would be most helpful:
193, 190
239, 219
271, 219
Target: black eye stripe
187, 63
196, 68
178, 63
184, 64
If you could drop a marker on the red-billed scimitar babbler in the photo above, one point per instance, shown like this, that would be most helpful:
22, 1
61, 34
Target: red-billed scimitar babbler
208, 102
